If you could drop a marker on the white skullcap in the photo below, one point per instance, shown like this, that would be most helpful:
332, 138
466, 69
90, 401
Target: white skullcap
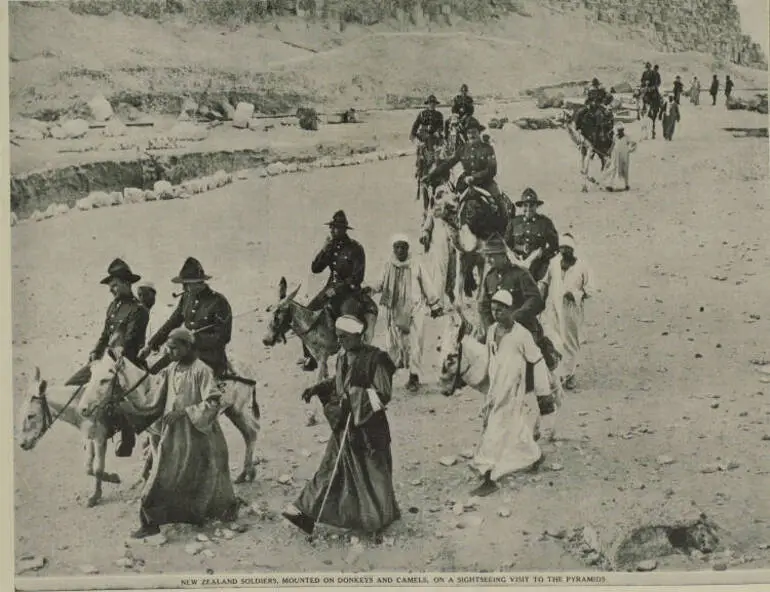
399, 238
620, 126
567, 241
349, 324
503, 297
148, 285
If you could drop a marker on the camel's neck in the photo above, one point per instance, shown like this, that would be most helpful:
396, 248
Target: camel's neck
315, 332
475, 363
58, 397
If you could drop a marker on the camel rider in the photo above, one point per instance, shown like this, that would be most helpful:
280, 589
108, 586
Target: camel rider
532, 236
656, 81
346, 260
124, 332
597, 94
462, 107
647, 76
431, 118
204, 312
479, 169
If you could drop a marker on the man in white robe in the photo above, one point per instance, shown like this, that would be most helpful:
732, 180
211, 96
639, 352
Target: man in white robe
408, 292
616, 175
510, 412
566, 285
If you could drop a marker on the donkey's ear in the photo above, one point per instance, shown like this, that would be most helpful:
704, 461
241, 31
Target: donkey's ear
111, 353
282, 288
294, 292
42, 387
37, 374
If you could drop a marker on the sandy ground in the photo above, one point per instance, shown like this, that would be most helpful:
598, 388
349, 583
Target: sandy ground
666, 369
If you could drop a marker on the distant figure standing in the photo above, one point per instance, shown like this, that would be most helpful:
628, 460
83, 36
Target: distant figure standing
714, 90
728, 89
617, 172
678, 88
670, 118
695, 91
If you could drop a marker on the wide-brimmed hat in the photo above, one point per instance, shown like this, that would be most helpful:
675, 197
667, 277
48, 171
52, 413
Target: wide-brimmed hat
120, 270
494, 245
431, 100
529, 197
474, 123
339, 220
191, 272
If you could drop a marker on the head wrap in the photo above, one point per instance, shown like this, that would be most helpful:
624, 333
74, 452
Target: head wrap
349, 324
567, 240
182, 334
399, 238
147, 286
503, 297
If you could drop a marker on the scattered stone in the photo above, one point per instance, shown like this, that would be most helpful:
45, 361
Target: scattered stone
715, 405
208, 553
665, 460
193, 548
156, 540
649, 565
227, 534
31, 563
467, 454
448, 461
720, 566
557, 534
284, 479
311, 419
458, 509
555, 467
125, 562
504, 512
243, 115
89, 569
416, 482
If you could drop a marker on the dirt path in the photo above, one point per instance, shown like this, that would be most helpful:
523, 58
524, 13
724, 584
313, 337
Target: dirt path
666, 369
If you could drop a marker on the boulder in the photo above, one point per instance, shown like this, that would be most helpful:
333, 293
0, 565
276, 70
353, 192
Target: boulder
189, 109
84, 203
736, 104
133, 195
163, 189
29, 129
114, 129
538, 123
276, 168
243, 115
99, 199
127, 112
62, 209
549, 99
150, 195
101, 110
75, 128
116, 198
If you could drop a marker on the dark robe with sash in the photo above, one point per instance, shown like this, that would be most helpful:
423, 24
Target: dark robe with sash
361, 495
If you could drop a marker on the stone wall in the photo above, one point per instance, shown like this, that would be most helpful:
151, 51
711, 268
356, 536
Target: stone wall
709, 26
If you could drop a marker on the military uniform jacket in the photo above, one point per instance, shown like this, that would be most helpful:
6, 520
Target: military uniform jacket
125, 326
432, 119
346, 261
648, 78
198, 311
462, 105
478, 160
525, 235
527, 300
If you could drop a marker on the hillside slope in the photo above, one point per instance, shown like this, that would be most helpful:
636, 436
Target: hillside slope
61, 59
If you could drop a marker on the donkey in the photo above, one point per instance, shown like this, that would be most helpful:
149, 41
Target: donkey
649, 109
36, 419
315, 328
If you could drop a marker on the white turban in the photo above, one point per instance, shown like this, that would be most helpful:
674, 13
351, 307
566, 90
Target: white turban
399, 238
349, 324
567, 241
503, 297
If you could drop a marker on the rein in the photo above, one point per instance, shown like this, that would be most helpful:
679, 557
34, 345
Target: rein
458, 375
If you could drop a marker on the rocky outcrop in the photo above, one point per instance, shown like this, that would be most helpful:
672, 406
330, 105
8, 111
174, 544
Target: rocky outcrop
710, 26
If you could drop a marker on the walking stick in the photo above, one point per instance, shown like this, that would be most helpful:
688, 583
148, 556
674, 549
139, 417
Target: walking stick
333, 475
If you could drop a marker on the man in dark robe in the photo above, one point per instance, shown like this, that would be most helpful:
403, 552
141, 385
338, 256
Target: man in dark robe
353, 487
714, 90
